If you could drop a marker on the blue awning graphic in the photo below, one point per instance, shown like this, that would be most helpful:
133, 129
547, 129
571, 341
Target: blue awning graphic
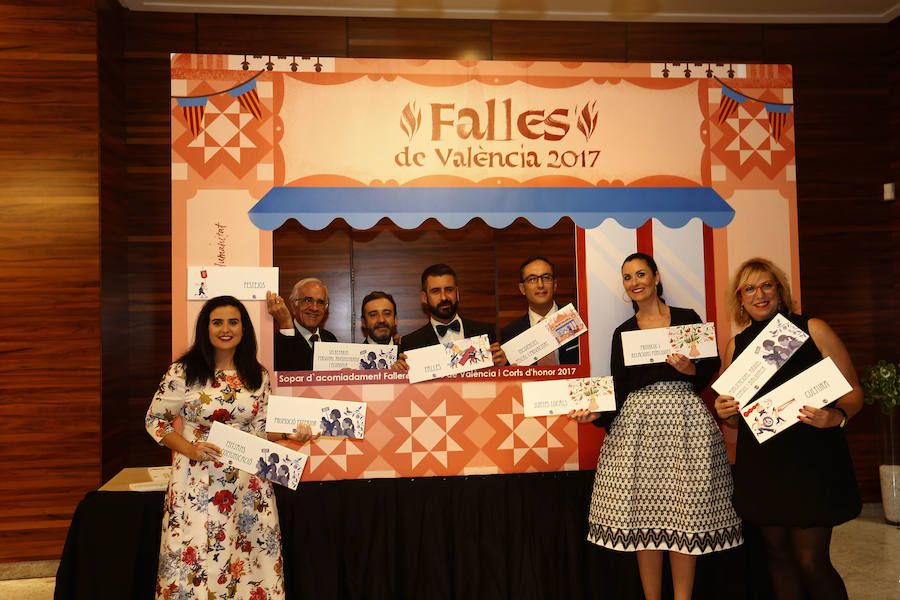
453, 207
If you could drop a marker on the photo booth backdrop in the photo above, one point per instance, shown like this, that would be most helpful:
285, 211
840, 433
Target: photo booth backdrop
390, 165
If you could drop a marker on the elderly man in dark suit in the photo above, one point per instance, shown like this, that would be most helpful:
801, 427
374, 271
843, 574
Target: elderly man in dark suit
441, 296
296, 335
537, 282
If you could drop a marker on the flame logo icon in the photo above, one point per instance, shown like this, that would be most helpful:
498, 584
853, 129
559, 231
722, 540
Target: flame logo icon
587, 119
410, 119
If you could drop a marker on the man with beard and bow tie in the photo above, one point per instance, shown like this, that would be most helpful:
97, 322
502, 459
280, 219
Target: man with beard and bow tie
440, 294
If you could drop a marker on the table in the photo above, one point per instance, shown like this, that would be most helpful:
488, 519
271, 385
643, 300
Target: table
499, 536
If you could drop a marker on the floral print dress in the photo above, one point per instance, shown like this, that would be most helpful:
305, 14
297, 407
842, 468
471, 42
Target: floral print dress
220, 532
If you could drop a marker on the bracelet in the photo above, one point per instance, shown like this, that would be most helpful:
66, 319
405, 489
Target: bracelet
284, 436
843, 415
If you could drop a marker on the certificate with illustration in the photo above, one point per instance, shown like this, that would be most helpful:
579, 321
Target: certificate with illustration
817, 386
334, 356
258, 455
244, 283
449, 358
331, 418
559, 396
544, 337
646, 346
776, 343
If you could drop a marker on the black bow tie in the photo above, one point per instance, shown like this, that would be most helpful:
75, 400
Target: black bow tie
453, 326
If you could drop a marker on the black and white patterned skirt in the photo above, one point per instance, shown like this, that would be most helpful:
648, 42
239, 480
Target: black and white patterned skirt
663, 480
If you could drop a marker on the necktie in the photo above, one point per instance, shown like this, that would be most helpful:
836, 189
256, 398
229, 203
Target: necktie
313, 339
454, 326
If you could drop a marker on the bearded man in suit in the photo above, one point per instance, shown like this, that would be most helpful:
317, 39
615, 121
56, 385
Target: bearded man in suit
440, 295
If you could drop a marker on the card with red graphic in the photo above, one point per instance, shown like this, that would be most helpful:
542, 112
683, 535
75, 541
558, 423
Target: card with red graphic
331, 418
244, 283
449, 358
646, 346
817, 386
257, 455
544, 337
559, 396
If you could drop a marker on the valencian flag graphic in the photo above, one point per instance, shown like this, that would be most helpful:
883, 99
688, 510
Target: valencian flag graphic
730, 101
777, 117
247, 96
195, 107
193, 112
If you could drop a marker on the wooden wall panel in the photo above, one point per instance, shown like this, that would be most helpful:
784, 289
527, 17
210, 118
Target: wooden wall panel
419, 38
556, 40
50, 289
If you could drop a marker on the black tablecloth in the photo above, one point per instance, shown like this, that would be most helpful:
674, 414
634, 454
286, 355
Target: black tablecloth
499, 536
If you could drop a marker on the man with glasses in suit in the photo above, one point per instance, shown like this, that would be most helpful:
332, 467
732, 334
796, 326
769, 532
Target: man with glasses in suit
297, 334
537, 282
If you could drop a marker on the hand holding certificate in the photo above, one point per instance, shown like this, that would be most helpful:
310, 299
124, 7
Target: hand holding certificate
646, 346
334, 356
449, 358
244, 283
257, 455
330, 418
545, 337
817, 386
762, 359
560, 396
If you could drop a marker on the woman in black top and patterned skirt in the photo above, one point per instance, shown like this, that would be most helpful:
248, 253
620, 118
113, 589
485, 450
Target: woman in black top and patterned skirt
663, 480
799, 484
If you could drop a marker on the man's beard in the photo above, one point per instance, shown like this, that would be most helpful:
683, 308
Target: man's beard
382, 335
444, 310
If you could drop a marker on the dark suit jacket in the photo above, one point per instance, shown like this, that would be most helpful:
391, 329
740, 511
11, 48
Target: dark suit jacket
292, 353
568, 352
426, 336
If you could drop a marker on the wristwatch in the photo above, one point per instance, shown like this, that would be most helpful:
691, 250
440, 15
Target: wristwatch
843, 416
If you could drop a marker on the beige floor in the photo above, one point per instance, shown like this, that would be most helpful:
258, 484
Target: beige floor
865, 552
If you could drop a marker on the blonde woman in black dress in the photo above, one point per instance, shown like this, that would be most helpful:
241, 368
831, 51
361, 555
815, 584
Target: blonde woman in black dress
663, 480
799, 484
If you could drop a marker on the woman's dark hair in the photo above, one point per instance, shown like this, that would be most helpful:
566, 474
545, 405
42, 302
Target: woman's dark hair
650, 263
200, 360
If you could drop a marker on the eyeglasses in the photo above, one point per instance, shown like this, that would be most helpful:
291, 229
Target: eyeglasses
533, 279
310, 300
765, 286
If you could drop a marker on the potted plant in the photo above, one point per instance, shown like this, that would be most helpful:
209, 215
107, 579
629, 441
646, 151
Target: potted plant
881, 385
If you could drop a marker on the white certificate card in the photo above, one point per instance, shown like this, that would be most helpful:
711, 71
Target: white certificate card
244, 283
559, 396
449, 358
258, 455
760, 360
646, 346
334, 356
817, 386
331, 418
545, 337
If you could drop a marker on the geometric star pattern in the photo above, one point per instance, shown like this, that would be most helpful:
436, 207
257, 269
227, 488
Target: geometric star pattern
441, 429
231, 137
746, 143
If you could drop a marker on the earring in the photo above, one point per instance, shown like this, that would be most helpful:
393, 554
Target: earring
625, 297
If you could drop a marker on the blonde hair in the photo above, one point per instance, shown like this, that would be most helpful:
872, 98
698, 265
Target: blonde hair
743, 275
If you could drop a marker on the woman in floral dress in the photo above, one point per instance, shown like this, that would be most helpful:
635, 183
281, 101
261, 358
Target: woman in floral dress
220, 532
